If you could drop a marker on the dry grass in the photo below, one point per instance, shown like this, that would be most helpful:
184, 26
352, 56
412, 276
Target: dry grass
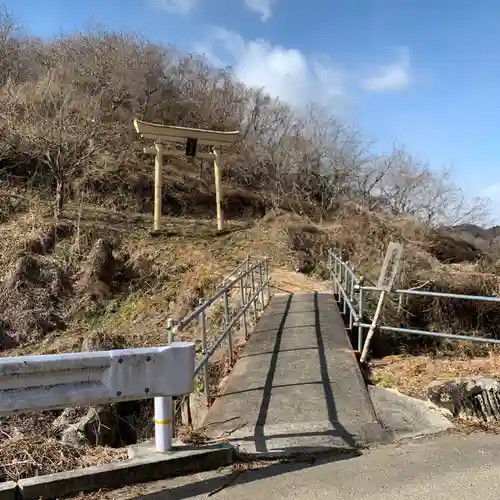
429, 263
169, 273
412, 374
152, 279
28, 456
286, 281
149, 280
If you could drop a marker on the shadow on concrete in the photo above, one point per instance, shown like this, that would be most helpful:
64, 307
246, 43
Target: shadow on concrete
260, 440
325, 380
297, 387
337, 428
208, 486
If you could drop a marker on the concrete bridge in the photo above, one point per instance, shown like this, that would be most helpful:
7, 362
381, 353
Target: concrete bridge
297, 386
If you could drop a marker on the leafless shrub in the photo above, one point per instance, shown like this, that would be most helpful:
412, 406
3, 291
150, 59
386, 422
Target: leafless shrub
68, 121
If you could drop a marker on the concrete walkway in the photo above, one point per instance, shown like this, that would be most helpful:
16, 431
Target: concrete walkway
297, 386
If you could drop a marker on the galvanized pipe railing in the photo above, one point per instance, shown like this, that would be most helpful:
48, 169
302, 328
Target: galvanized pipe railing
344, 283
351, 293
251, 280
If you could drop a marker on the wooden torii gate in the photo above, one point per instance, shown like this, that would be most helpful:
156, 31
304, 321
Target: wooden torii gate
191, 138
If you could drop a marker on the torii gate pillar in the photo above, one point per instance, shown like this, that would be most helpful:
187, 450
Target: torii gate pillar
191, 138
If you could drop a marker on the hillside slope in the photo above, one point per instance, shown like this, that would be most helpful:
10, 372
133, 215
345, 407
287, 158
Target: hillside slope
81, 270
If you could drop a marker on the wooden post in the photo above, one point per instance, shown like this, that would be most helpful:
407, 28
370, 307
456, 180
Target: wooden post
371, 331
158, 190
390, 268
218, 192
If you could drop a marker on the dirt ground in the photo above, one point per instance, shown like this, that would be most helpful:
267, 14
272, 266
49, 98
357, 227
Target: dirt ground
285, 281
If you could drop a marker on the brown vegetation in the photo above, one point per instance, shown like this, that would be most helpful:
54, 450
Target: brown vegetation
80, 270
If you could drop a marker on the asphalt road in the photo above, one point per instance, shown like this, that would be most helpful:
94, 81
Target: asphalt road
444, 467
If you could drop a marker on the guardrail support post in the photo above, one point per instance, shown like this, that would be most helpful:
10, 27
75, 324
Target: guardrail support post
163, 424
230, 333
164, 411
203, 332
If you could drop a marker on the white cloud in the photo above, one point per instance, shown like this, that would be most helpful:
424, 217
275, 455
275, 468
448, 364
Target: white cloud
392, 77
262, 7
283, 72
177, 6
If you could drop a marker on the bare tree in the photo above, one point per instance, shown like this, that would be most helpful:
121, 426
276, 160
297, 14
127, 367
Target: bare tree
57, 96
8, 44
53, 127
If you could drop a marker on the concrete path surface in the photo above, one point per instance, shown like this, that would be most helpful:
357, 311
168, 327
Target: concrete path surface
297, 386
442, 468
407, 417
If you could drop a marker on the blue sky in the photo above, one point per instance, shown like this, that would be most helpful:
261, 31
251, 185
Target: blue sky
423, 73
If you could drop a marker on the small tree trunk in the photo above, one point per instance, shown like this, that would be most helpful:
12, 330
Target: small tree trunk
79, 219
59, 201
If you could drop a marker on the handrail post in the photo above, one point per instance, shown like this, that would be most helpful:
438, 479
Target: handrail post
341, 284
164, 411
254, 299
266, 276
230, 333
247, 280
351, 298
335, 274
331, 272
170, 330
261, 277
170, 339
329, 268
360, 315
344, 288
244, 303
204, 347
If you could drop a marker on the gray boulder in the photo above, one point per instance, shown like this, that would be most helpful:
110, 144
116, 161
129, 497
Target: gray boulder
470, 398
98, 426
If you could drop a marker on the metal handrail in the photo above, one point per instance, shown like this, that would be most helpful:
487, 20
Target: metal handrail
479, 298
255, 293
238, 268
346, 286
203, 361
181, 325
130, 374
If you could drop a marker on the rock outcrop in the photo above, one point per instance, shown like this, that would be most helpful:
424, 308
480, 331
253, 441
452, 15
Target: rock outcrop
471, 398
106, 425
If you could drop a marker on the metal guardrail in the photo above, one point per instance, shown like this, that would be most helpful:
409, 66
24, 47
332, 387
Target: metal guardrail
37, 383
352, 291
